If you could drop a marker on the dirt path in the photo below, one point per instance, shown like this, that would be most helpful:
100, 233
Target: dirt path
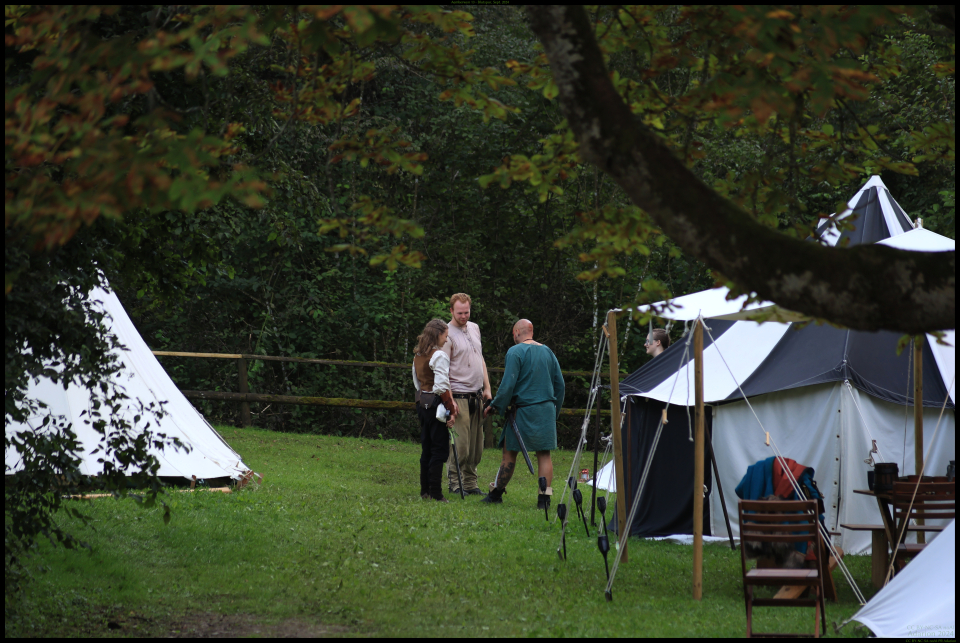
240, 625
213, 625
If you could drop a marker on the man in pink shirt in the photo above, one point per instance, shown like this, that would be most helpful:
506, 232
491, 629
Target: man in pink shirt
471, 386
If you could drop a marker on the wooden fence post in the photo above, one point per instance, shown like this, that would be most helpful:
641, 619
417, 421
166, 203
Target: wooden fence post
624, 528
244, 388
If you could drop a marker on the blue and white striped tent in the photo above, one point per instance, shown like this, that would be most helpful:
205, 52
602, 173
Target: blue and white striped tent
824, 394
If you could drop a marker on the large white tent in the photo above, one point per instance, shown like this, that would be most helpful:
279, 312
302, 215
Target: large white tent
920, 601
142, 379
824, 395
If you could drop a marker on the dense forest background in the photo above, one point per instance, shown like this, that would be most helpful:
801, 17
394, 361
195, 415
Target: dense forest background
288, 296
293, 276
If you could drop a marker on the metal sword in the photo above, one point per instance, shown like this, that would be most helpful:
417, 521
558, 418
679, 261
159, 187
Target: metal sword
562, 515
523, 447
456, 459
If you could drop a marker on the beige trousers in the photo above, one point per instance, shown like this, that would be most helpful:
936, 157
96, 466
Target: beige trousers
469, 430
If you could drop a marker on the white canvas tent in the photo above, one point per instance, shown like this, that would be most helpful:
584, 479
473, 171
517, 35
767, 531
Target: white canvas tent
920, 601
823, 394
143, 379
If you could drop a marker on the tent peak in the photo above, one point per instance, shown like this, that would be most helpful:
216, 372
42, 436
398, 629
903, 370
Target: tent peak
874, 182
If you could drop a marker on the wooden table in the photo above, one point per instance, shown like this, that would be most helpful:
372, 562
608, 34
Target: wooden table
881, 539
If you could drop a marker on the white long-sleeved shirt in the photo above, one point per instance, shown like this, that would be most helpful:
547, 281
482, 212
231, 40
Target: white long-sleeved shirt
440, 365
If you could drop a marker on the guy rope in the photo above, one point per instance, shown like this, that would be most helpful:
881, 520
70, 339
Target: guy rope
793, 481
913, 497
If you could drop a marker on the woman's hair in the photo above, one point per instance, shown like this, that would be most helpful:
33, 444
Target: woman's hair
661, 335
430, 336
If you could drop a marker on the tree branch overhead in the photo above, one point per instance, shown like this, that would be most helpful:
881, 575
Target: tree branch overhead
865, 288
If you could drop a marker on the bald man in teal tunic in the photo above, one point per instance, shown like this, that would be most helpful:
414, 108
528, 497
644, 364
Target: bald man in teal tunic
533, 385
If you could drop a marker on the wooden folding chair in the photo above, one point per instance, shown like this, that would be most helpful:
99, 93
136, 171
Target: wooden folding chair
781, 521
932, 501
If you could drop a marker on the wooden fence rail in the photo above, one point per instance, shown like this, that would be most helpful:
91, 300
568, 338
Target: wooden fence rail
244, 397
335, 362
323, 401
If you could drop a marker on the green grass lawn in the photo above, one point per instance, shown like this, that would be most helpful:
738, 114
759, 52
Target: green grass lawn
338, 542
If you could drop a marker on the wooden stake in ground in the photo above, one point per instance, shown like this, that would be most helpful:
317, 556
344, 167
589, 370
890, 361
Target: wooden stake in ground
698, 464
617, 446
918, 415
244, 388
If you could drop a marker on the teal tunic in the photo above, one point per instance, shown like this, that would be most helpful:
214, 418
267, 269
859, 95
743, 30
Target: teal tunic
531, 381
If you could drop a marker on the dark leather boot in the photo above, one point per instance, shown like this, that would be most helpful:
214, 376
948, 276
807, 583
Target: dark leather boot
494, 497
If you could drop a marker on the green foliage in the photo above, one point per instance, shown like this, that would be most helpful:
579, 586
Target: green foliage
271, 281
781, 111
130, 119
75, 150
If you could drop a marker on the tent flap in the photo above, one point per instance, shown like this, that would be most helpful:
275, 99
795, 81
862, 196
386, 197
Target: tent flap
920, 601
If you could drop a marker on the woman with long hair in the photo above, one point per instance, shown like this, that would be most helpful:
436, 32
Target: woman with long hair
431, 378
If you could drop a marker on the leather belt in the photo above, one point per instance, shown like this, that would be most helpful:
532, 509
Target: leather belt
523, 406
473, 400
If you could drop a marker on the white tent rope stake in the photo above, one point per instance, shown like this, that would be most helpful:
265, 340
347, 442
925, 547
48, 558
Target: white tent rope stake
793, 481
643, 478
926, 457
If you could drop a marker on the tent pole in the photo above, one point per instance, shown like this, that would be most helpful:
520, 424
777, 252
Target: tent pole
918, 415
723, 502
596, 455
617, 445
698, 465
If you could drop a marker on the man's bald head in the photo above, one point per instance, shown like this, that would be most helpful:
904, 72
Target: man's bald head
522, 330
